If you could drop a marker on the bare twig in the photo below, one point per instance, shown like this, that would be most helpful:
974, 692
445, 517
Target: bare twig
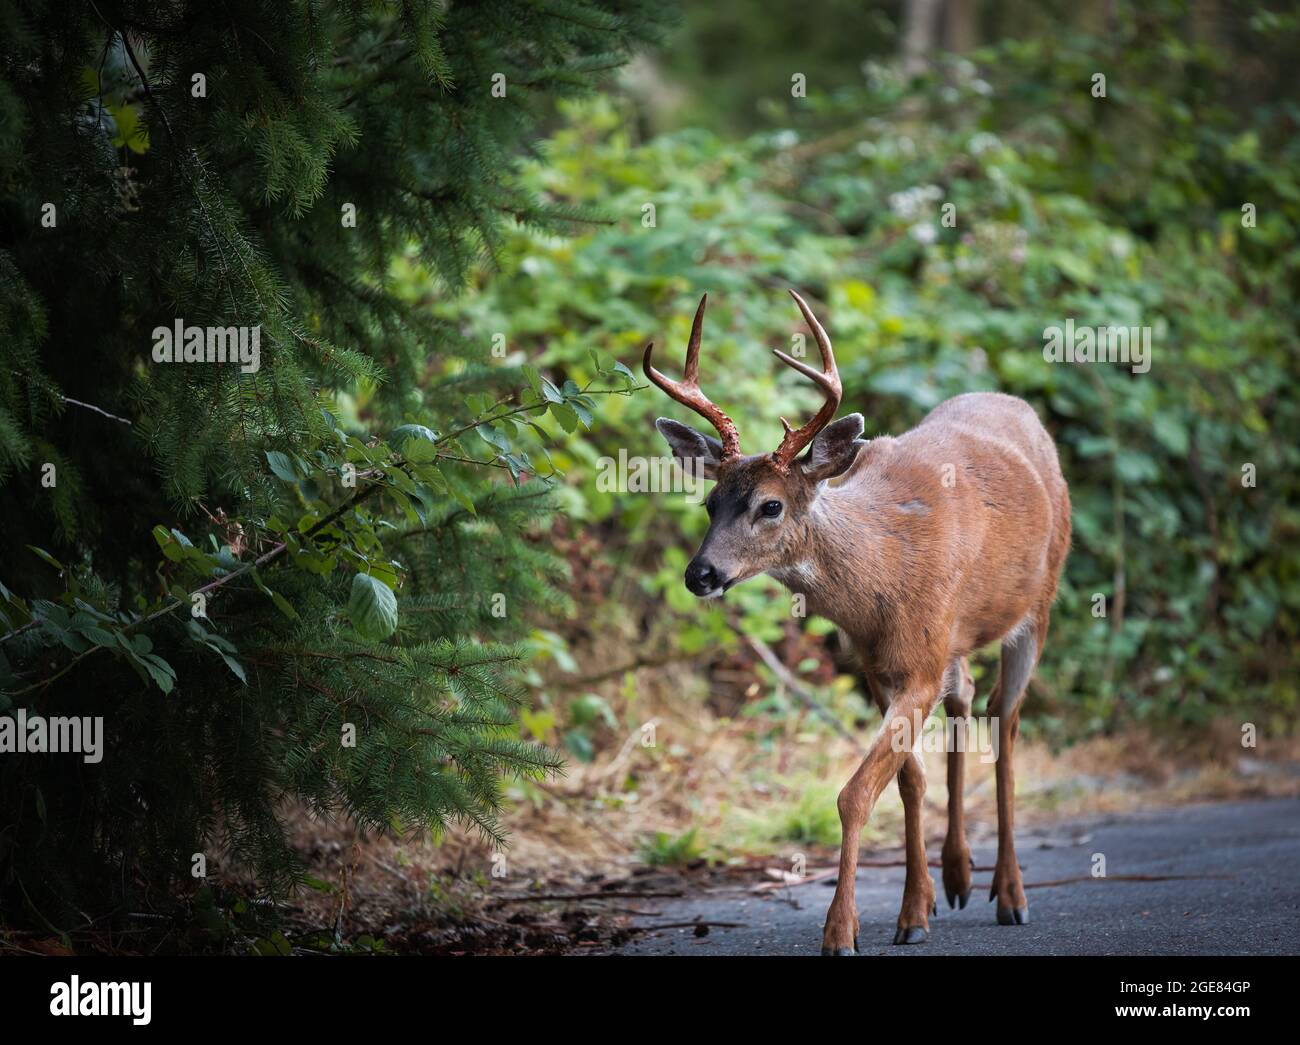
625, 894
800, 691
641, 661
68, 399
92, 406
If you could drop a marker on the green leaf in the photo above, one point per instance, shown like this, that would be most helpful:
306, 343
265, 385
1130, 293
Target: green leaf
235, 667
131, 132
372, 607
45, 556
565, 415
74, 641
415, 442
496, 440
88, 79
1172, 433
160, 671
584, 415
319, 884
282, 466
533, 378
430, 475
420, 451
550, 393
457, 488
98, 636
283, 605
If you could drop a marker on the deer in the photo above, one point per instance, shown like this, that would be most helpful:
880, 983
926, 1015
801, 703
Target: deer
922, 548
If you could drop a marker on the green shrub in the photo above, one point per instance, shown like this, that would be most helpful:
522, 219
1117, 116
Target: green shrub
1056, 219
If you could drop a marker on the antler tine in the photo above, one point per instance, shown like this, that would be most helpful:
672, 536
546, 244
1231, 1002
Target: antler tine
693, 345
827, 379
687, 391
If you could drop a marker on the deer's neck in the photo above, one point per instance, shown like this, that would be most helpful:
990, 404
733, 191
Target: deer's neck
836, 560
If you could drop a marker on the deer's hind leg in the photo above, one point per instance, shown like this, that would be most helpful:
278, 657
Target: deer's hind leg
1020, 652
959, 691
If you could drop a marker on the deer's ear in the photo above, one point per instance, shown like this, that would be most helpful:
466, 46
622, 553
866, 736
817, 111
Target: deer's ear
689, 445
834, 448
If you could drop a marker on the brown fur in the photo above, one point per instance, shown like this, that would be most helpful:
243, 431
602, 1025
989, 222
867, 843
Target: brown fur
922, 548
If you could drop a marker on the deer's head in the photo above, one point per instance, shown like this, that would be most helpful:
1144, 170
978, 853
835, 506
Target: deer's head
760, 512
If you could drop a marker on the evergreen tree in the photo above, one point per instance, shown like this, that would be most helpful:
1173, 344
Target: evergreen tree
300, 574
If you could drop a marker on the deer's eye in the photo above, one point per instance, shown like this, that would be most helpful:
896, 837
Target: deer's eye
771, 509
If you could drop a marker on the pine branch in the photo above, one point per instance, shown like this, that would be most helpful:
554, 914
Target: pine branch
175, 604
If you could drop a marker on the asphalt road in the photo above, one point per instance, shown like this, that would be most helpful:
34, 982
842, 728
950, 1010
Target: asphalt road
1253, 909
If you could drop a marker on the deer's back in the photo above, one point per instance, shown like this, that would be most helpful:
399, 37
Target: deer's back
971, 520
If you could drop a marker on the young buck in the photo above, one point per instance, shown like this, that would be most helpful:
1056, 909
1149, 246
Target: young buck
921, 548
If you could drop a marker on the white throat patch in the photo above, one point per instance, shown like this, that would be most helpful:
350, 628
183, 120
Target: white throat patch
802, 572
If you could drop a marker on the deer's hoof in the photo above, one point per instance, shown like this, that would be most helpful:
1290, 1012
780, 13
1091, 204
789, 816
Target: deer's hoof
841, 952
911, 934
954, 900
1013, 916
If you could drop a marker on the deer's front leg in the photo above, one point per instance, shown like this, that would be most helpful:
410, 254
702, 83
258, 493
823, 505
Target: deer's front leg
918, 892
890, 749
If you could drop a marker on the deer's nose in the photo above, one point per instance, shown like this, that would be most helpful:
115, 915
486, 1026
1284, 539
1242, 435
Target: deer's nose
701, 577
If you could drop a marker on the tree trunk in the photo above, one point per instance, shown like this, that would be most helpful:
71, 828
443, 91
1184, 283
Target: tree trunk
960, 26
919, 30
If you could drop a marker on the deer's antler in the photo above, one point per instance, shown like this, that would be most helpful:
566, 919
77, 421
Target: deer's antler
827, 379
687, 391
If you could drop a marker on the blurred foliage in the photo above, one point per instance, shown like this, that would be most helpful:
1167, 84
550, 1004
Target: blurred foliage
728, 66
1125, 210
735, 59
664, 850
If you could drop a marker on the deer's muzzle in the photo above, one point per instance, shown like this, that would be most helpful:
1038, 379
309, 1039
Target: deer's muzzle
702, 579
